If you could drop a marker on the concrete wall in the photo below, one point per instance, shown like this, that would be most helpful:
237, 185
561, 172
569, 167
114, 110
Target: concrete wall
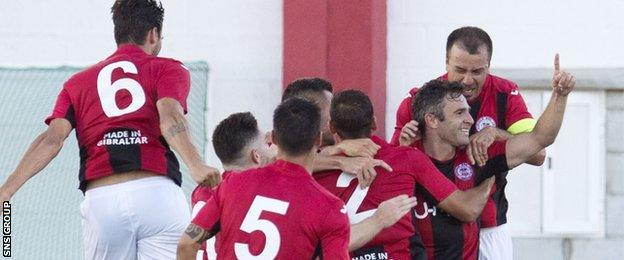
241, 41
526, 35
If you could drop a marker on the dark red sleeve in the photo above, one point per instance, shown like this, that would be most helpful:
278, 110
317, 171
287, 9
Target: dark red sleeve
516, 108
429, 177
62, 109
174, 81
403, 115
209, 217
497, 148
201, 193
497, 160
335, 234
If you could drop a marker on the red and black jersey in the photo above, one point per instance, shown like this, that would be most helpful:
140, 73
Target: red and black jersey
444, 236
112, 106
275, 212
498, 105
410, 167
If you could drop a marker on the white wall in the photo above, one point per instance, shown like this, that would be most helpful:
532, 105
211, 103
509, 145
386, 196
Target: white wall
526, 34
241, 41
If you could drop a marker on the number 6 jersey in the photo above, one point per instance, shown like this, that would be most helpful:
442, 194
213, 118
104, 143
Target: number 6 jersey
112, 106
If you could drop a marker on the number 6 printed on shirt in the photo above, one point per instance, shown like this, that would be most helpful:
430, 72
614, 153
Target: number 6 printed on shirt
252, 222
107, 90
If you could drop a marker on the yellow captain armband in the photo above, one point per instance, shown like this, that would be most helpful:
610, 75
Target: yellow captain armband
522, 126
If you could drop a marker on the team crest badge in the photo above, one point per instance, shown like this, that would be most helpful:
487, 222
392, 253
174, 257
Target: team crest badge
464, 171
484, 122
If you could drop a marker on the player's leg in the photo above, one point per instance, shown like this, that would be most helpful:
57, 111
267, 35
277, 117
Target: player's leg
162, 214
108, 232
495, 243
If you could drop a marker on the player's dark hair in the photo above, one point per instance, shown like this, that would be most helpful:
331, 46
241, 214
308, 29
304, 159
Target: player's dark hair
311, 89
232, 135
470, 39
134, 18
352, 114
430, 100
296, 125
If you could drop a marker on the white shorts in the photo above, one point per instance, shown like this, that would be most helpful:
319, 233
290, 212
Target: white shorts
495, 243
139, 219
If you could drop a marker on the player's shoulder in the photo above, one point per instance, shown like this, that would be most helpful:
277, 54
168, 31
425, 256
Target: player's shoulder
165, 61
412, 92
503, 85
401, 152
201, 193
319, 194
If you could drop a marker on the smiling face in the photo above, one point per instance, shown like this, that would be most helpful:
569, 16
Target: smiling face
468, 69
455, 128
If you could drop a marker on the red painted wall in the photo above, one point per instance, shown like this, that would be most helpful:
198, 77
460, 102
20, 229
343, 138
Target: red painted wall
343, 41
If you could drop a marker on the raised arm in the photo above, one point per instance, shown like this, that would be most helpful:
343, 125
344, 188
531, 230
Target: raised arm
174, 128
386, 215
41, 151
467, 205
522, 147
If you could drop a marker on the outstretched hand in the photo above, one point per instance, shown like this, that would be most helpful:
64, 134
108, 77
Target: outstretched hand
562, 82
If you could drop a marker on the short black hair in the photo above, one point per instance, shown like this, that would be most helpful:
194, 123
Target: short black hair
296, 125
134, 18
232, 135
352, 114
469, 38
430, 100
310, 89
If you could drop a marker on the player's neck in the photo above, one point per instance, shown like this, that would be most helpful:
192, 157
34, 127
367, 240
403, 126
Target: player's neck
238, 168
438, 149
306, 161
143, 47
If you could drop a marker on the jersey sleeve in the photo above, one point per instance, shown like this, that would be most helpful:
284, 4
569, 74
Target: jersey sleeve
209, 217
429, 177
62, 109
497, 162
174, 81
518, 118
335, 234
403, 116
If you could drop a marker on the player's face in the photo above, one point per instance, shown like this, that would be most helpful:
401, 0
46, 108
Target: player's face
324, 106
468, 69
265, 148
158, 45
455, 128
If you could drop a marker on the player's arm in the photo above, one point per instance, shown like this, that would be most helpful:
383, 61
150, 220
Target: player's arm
525, 126
403, 116
41, 151
190, 242
387, 214
522, 147
467, 205
362, 167
463, 205
174, 127
363, 147
334, 234
205, 224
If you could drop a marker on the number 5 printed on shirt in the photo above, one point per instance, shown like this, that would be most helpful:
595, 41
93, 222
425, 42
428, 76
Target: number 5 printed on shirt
355, 200
252, 222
